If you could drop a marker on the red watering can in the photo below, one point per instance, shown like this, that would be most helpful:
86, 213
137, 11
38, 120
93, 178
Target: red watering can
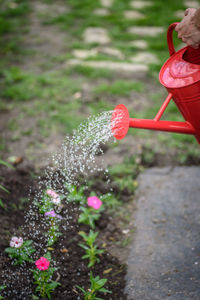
180, 75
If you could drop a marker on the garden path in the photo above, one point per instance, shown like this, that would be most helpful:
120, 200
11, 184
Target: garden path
164, 256
137, 64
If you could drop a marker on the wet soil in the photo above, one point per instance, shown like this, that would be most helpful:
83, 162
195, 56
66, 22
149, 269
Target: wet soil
72, 269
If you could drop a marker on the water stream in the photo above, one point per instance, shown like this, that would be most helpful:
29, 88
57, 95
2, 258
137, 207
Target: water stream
76, 157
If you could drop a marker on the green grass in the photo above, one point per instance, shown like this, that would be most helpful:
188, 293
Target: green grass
13, 21
49, 97
124, 174
119, 87
92, 73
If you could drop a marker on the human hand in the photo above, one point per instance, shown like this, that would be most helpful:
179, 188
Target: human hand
188, 29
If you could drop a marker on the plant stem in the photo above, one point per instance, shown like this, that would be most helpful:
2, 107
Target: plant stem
43, 285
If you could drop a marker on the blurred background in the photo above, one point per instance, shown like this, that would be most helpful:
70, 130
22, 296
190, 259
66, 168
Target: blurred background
64, 60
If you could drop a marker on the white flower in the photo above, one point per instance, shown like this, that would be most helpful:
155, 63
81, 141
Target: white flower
56, 200
16, 242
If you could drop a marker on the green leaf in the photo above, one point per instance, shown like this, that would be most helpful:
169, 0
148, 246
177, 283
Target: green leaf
48, 256
10, 250
2, 204
28, 243
84, 246
103, 290
4, 163
80, 288
2, 287
53, 285
91, 264
4, 189
85, 256
101, 282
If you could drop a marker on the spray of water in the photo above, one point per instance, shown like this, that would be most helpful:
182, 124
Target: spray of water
76, 157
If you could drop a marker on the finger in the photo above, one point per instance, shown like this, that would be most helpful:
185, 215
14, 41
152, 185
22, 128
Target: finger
177, 28
184, 40
190, 11
194, 45
187, 11
180, 36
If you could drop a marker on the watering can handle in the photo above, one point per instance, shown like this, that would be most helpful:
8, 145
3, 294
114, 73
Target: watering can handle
170, 38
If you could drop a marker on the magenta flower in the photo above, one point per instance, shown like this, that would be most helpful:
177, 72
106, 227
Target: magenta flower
94, 202
16, 242
52, 214
42, 264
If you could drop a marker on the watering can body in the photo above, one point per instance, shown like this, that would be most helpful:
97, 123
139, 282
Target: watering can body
180, 75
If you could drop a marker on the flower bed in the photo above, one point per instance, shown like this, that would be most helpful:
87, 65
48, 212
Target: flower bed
71, 270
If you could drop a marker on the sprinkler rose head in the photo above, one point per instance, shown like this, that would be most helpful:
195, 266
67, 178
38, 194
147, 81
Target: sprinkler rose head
120, 121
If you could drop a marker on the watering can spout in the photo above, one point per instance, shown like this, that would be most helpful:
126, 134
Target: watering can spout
121, 122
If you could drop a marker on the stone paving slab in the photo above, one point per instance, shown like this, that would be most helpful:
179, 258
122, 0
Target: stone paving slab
96, 35
106, 3
164, 261
179, 13
145, 58
139, 69
146, 30
141, 44
83, 53
140, 3
133, 15
101, 12
192, 3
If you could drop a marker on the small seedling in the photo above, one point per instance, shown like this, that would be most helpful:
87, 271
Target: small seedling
2, 287
20, 250
92, 213
96, 286
88, 216
75, 194
89, 247
43, 277
110, 201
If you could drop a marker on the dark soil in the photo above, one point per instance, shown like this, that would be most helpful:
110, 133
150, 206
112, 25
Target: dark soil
66, 252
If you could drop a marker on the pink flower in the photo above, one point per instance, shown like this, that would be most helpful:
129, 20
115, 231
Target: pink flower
52, 194
94, 202
16, 242
42, 263
55, 197
52, 214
